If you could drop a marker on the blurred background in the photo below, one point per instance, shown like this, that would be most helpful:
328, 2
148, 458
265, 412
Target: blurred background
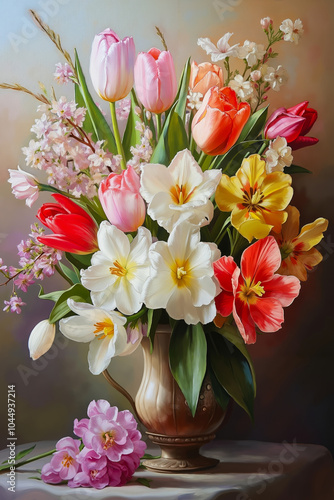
294, 366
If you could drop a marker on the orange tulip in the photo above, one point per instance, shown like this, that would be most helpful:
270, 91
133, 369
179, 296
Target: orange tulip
219, 121
204, 76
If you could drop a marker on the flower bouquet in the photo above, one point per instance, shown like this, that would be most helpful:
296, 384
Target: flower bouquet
182, 223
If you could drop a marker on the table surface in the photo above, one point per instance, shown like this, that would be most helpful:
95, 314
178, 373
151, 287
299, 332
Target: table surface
248, 470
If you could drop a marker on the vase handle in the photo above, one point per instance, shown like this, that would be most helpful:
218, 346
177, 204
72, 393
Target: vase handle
123, 391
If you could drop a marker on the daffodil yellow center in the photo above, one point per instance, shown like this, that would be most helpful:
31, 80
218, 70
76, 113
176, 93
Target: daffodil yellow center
249, 292
118, 269
109, 439
181, 194
252, 198
180, 273
104, 328
67, 461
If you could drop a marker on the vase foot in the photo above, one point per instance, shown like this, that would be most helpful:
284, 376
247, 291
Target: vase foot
180, 454
173, 465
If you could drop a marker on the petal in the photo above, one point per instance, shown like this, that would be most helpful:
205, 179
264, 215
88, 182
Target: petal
224, 303
244, 321
312, 234
128, 300
228, 193
155, 179
282, 288
254, 228
98, 355
185, 170
224, 269
183, 240
157, 290
97, 278
290, 228
260, 260
77, 328
267, 314
113, 243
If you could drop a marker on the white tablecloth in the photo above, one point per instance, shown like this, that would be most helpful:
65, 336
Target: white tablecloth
248, 470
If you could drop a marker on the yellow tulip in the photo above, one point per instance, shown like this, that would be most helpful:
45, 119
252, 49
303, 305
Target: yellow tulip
256, 199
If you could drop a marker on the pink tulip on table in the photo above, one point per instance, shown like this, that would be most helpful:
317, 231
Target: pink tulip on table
155, 80
120, 198
111, 65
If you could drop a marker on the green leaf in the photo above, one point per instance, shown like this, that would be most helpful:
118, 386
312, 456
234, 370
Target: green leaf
187, 358
87, 126
77, 292
231, 333
295, 169
144, 481
221, 395
255, 125
131, 135
232, 160
100, 126
173, 138
70, 273
177, 138
25, 452
181, 96
79, 261
49, 296
153, 318
35, 477
232, 371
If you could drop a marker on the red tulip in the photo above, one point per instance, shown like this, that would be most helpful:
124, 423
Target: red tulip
293, 124
155, 80
219, 121
74, 230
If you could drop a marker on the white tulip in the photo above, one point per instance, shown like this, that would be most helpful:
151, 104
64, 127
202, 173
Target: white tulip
41, 338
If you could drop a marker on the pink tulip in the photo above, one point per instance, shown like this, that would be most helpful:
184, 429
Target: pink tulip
121, 201
155, 80
293, 124
111, 65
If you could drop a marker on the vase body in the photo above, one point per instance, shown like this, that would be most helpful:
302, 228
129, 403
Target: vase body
163, 410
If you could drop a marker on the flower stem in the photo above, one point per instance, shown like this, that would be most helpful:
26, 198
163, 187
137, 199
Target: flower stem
158, 118
32, 459
117, 134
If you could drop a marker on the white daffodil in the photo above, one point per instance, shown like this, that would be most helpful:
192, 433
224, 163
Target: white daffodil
119, 269
103, 329
41, 338
222, 50
179, 192
181, 279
